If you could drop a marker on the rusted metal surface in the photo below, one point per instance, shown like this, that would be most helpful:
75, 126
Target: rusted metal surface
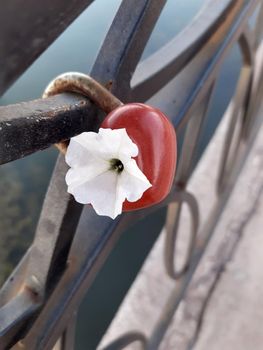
71, 242
29, 127
86, 86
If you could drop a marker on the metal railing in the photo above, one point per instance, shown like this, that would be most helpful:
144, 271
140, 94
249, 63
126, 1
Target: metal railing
39, 302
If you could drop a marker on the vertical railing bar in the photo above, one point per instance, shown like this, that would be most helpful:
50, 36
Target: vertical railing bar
126, 40
258, 28
49, 230
192, 138
236, 111
256, 83
171, 232
229, 147
14, 282
68, 336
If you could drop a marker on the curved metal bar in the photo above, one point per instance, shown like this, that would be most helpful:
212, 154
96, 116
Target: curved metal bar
125, 340
191, 139
209, 72
255, 97
172, 223
158, 69
16, 312
237, 113
246, 46
126, 40
258, 27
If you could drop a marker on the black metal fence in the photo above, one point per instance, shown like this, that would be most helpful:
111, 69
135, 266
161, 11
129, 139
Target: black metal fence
39, 301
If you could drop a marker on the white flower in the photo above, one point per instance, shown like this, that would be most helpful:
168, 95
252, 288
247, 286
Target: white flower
103, 172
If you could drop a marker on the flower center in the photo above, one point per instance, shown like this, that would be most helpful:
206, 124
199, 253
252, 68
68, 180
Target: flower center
116, 165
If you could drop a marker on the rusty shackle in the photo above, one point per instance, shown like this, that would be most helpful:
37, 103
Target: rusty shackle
86, 86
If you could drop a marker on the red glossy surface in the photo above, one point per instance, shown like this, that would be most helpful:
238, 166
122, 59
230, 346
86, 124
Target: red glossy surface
155, 137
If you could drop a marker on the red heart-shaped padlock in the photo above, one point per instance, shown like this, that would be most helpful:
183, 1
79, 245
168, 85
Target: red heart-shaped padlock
155, 137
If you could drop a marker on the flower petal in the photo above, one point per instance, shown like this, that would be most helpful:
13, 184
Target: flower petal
117, 141
127, 147
83, 149
77, 176
101, 193
133, 183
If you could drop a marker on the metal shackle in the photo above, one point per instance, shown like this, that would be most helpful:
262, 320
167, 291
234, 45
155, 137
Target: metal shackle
86, 86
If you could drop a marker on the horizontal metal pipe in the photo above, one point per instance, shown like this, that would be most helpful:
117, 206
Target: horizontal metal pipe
35, 125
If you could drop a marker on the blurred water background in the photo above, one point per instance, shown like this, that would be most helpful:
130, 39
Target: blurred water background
23, 183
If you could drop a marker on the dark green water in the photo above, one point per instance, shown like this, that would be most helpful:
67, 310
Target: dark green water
23, 183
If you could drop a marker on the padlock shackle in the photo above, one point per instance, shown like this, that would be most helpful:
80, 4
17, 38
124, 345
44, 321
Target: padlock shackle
84, 85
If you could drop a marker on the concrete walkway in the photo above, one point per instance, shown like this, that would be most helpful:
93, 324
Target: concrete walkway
223, 308
233, 317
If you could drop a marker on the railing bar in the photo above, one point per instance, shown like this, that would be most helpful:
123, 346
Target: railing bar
14, 315
68, 337
48, 232
236, 111
158, 69
15, 281
212, 69
171, 232
256, 88
258, 27
191, 139
125, 41
35, 125
125, 340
